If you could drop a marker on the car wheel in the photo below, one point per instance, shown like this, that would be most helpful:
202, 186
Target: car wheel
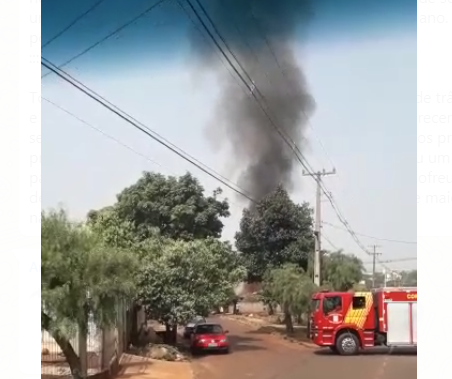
226, 351
347, 344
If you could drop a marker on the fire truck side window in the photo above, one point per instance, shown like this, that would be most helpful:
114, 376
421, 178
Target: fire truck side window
332, 304
359, 302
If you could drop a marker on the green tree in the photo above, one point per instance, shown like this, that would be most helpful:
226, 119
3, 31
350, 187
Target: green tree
180, 279
111, 228
273, 232
177, 207
81, 278
408, 278
341, 271
291, 288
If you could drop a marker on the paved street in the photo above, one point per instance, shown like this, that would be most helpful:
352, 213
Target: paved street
266, 357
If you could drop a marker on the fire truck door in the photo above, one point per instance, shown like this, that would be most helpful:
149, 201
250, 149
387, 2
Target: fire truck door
399, 323
332, 314
332, 310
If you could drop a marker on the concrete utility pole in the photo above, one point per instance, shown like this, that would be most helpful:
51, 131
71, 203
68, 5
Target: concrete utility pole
318, 219
374, 254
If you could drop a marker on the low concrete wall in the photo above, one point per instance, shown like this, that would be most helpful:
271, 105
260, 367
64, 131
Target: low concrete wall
246, 307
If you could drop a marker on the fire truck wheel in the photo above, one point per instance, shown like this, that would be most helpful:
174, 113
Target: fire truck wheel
347, 344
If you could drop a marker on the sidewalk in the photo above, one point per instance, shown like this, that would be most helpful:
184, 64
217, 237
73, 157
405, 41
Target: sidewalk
134, 367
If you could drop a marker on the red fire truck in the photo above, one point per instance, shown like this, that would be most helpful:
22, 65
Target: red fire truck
347, 322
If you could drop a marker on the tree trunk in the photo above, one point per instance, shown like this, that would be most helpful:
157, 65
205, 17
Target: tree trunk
288, 321
271, 309
174, 335
66, 348
234, 307
167, 337
299, 319
170, 334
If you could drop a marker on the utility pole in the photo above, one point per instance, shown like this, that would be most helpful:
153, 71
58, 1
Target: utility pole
318, 219
374, 254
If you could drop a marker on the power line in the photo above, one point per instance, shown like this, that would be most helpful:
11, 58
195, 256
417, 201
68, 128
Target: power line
101, 132
329, 241
372, 237
251, 88
409, 259
108, 36
328, 194
91, 126
275, 57
179, 2
344, 222
72, 23
116, 140
114, 109
149, 130
298, 154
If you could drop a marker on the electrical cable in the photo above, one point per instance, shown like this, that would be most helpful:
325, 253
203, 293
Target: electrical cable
72, 23
395, 260
116, 140
108, 36
298, 154
327, 193
251, 88
101, 132
329, 241
114, 109
179, 2
199, 163
372, 237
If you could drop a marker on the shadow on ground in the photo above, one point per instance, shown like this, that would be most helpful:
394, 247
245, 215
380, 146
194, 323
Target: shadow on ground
401, 351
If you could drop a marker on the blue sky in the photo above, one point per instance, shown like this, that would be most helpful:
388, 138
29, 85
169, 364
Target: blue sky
360, 62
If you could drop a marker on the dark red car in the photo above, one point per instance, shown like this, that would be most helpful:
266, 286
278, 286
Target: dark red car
209, 337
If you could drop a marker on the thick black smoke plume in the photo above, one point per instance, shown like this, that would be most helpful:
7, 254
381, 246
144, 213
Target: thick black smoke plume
262, 34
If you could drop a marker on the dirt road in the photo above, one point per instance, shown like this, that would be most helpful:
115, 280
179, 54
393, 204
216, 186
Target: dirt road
264, 356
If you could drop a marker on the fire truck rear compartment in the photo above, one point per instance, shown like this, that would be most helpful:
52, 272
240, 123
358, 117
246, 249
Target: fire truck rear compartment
401, 318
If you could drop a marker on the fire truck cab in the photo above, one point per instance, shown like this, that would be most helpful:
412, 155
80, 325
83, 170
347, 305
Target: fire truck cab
347, 322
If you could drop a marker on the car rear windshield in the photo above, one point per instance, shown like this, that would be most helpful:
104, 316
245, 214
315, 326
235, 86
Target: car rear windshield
209, 329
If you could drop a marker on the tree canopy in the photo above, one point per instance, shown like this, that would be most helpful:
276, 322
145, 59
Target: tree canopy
289, 287
408, 278
275, 231
180, 279
341, 272
176, 206
81, 278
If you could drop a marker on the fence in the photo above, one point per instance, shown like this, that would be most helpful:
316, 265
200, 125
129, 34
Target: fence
104, 348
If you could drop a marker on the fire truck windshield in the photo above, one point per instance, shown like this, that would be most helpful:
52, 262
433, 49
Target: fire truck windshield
332, 304
315, 304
